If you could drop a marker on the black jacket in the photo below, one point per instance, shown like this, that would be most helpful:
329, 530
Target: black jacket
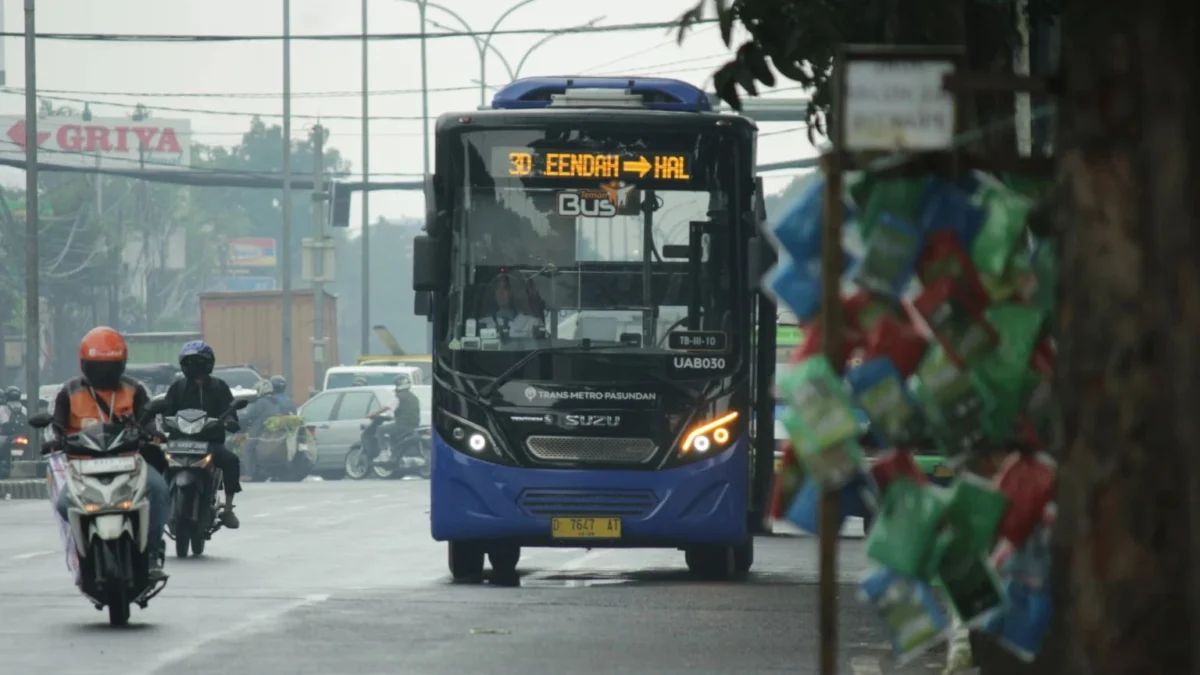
408, 410
211, 395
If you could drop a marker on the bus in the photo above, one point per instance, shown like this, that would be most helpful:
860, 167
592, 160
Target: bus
589, 265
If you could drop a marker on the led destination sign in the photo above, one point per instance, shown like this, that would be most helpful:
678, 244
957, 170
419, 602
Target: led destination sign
530, 163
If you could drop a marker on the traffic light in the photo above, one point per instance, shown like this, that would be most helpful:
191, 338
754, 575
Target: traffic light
341, 204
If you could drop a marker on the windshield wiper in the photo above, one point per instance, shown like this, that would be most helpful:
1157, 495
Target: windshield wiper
586, 347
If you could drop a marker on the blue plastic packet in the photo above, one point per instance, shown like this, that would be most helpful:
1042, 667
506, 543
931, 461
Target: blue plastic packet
948, 206
795, 288
914, 621
858, 500
1022, 627
882, 393
890, 261
798, 230
1030, 565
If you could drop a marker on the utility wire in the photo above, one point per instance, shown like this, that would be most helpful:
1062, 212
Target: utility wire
347, 37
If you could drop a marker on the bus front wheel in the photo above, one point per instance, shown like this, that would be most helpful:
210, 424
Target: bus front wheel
466, 560
715, 563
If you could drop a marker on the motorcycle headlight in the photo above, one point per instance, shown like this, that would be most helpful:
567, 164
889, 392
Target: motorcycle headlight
189, 427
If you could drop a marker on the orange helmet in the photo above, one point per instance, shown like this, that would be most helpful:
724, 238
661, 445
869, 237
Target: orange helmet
102, 356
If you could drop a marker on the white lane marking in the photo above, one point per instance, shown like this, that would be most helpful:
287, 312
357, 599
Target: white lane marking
298, 507
260, 515
865, 665
255, 623
34, 554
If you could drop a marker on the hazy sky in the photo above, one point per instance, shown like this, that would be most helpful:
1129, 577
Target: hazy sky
246, 78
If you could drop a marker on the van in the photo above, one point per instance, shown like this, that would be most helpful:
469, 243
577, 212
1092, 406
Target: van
344, 376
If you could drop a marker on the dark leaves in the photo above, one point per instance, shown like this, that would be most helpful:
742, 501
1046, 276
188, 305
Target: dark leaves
751, 57
689, 19
725, 81
725, 17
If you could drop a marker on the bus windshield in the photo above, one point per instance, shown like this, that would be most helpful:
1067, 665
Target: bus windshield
616, 238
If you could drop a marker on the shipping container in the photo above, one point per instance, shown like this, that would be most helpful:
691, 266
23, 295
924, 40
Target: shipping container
150, 348
246, 328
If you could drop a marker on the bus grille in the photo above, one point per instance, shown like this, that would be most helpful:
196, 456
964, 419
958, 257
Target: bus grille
591, 449
545, 502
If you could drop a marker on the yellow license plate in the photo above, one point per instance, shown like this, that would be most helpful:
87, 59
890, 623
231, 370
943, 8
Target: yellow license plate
585, 527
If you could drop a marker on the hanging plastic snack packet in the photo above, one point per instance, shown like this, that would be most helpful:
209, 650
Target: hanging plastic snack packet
798, 230
795, 288
1021, 627
812, 345
1029, 483
945, 258
905, 528
1030, 564
893, 465
1045, 271
1005, 216
898, 341
863, 310
895, 197
949, 401
973, 589
880, 391
858, 499
948, 208
891, 258
833, 466
814, 390
908, 608
964, 334
975, 509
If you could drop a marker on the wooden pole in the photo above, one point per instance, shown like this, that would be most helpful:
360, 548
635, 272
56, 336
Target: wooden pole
831, 338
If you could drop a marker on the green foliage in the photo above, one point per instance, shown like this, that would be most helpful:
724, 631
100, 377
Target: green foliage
799, 39
288, 423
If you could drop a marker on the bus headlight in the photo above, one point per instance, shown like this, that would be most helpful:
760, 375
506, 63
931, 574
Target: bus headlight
708, 437
469, 438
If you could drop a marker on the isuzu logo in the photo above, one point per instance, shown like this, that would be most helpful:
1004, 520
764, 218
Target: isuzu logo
591, 420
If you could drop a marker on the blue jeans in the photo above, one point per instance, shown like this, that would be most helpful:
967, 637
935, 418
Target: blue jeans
160, 506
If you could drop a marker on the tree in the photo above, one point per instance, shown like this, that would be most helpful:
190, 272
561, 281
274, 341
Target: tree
1128, 381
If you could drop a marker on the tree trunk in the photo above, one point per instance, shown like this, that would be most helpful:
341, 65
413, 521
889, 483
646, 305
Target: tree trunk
1129, 324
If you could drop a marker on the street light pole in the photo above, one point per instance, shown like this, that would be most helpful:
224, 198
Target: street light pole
366, 194
33, 342
285, 246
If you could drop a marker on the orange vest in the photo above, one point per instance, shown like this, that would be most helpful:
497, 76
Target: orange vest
86, 412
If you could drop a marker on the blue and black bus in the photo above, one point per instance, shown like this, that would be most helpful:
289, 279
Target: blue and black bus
589, 268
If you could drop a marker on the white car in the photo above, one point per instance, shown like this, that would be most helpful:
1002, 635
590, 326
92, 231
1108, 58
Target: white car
344, 376
337, 416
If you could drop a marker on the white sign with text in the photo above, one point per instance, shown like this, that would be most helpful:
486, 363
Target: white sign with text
113, 143
898, 105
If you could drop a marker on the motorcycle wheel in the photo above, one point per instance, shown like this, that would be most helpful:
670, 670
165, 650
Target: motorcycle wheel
298, 470
357, 464
183, 538
198, 543
118, 607
383, 472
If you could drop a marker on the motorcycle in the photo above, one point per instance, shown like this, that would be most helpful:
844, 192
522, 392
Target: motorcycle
194, 483
286, 450
13, 443
108, 514
408, 455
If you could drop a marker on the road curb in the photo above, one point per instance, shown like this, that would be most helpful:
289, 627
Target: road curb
24, 489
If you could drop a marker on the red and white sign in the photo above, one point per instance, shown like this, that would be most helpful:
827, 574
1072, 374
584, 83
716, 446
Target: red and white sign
116, 142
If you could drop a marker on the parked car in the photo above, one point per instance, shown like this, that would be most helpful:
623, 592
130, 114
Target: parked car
239, 377
344, 376
337, 416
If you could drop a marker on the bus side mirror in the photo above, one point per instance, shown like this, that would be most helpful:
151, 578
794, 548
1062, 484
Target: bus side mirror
430, 273
421, 303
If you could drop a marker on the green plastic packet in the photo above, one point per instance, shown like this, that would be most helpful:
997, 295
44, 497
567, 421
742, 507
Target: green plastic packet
1035, 188
970, 583
974, 509
892, 411
824, 412
905, 529
1004, 220
1018, 280
900, 197
1004, 391
833, 466
950, 402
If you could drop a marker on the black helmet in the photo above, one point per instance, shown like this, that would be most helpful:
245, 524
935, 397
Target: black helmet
12, 394
279, 384
196, 359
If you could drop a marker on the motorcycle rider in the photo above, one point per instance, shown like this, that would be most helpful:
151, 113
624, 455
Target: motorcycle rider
101, 394
199, 390
406, 417
279, 393
12, 405
254, 417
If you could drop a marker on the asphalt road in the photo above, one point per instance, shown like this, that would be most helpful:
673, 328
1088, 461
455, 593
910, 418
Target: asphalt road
341, 578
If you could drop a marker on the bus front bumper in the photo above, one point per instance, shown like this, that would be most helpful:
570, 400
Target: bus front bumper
701, 503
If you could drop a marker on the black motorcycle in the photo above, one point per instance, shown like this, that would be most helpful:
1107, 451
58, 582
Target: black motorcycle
194, 482
388, 456
14, 440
